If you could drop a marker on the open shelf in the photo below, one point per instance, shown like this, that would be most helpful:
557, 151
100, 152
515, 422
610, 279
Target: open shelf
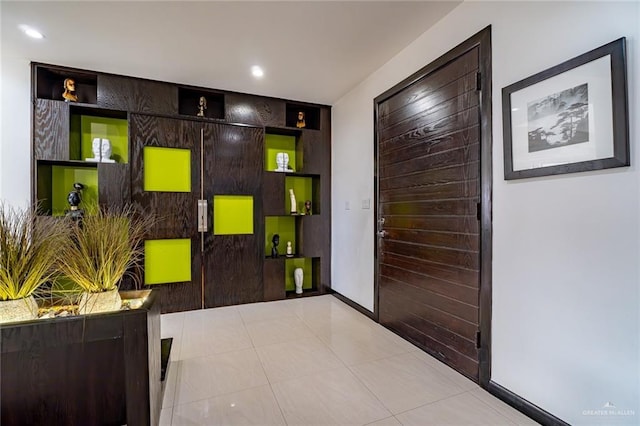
278, 277
55, 180
88, 123
189, 102
311, 116
50, 84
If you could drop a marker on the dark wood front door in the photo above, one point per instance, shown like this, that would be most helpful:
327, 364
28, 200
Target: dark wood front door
431, 142
234, 244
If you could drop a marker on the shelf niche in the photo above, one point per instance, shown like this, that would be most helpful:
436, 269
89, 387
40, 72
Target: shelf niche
282, 140
278, 277
87, 123
50, 84
311, 116
55, 181
189, 102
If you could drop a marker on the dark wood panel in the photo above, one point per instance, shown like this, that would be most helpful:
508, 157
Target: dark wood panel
464, 189
430, 208
434, 131
460, 104
273, 194
312, 234
274, 279
466, 294
313, 152
256, 110
114, 184
176, 211
464, 83
407, 305
440, 334
51, 130
460, 241
430, 82
430, 145
233, 165
440, 351
430, 177
466, 277
467, 224
324, 201
137, 95
456, 258
445, 304
465, 154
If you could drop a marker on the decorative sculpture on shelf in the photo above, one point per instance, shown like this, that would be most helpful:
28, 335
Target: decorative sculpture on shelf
202, 105
294, 209
307, 207
101, 149
282, 161
69, 90
274, 248
301, 123
298, 277
289, 249
74, 199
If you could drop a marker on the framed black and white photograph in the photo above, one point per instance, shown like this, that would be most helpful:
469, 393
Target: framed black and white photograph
570, 118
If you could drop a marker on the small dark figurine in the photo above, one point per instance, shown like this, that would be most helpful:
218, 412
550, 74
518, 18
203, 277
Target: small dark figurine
202, 105
300, 123
274, 250
69, 94
74, 198
307, 207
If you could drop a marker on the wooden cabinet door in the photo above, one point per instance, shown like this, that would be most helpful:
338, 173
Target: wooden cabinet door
165, 182
234, 241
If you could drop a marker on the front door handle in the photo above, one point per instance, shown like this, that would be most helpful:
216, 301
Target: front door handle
382, 233
202, 216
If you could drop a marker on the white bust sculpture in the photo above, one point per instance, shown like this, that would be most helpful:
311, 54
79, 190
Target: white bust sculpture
298, 276
282, 161
101, 149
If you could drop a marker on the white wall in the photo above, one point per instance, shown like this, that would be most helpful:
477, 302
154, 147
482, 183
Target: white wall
566, 305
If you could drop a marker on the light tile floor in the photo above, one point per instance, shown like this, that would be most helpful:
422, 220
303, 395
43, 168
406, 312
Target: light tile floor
311, 361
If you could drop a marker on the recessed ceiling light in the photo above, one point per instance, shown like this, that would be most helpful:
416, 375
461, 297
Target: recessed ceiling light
257, 71
31, 32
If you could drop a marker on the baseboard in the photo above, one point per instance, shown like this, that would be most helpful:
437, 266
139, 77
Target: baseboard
524, 406
354, 305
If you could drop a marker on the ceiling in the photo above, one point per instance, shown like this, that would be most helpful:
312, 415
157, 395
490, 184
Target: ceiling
310, 51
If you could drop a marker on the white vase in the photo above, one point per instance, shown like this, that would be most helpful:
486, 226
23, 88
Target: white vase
107, 301
18, 310
298, 277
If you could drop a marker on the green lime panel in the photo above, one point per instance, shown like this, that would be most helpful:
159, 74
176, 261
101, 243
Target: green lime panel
279, 143
167, 169
167, 261
114, 129
62, 180
290, 265
285, 227
302, 189
232, 214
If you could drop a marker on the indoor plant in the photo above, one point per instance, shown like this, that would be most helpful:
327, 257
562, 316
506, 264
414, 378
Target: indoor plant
29, 247
104, 246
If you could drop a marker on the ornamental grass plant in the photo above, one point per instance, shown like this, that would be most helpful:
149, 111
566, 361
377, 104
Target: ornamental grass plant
29, 249
103, 247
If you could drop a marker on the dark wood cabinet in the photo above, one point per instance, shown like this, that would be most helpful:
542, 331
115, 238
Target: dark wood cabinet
227, 152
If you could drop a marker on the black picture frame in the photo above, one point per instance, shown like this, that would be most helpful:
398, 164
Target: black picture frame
540, 135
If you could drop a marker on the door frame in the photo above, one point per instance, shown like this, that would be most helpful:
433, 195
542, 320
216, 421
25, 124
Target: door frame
481, 40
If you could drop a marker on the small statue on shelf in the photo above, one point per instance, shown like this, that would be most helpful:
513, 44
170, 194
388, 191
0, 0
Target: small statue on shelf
274, 248
202, 105
74, 198
101, 149
298, 278
289, 249
69, 90
282, 161
301, 123
307, 207
294, 209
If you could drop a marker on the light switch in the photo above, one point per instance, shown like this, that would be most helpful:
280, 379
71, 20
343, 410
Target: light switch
366, 203
347, 206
